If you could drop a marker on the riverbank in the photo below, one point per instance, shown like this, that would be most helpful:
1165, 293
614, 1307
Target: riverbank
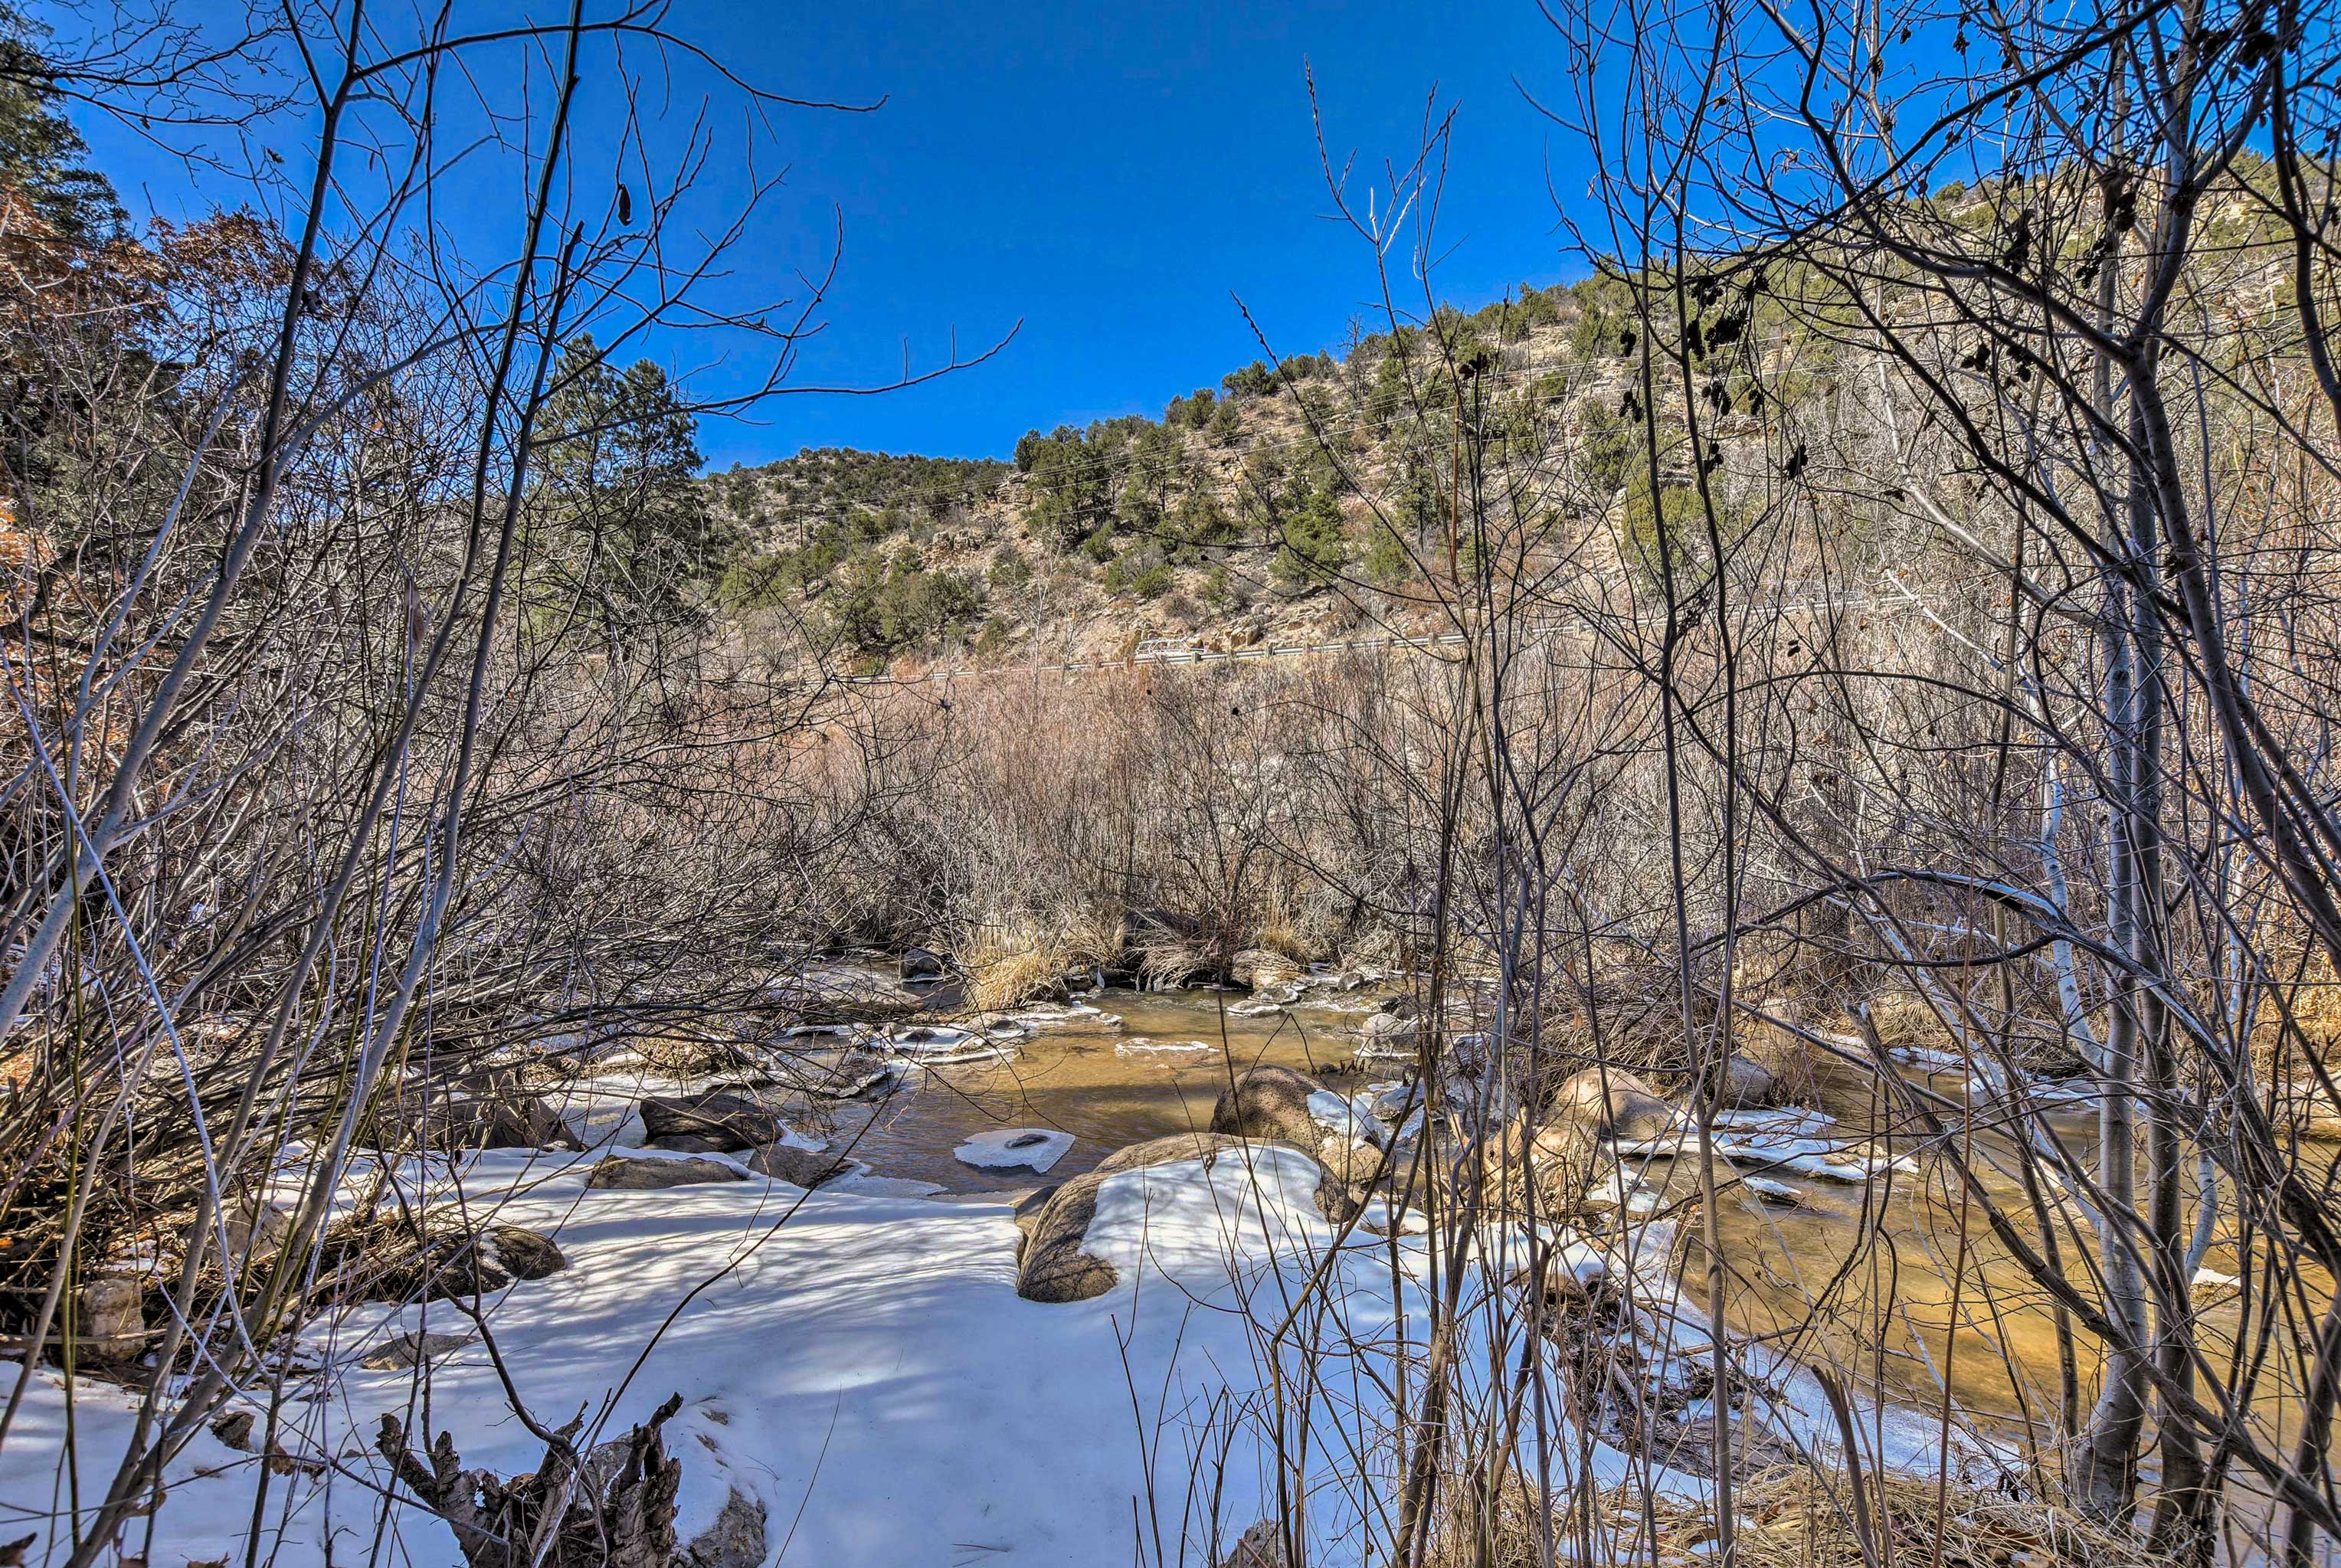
856, 1378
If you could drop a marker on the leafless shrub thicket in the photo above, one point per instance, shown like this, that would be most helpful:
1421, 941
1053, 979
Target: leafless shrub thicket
363, 715
1969, 545
1908, 618
1911, 623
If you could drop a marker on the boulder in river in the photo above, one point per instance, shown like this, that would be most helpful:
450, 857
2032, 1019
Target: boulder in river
1392, 1030
806, 1168
921, 963
1353, 1164
726, 1120
1610, 1104
1051, 1263
1272, 1102
1746, 1083
1258, 969
838, 1067
1791, 1062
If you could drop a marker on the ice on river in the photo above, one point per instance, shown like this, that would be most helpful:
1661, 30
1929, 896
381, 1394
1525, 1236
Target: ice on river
1142, 1046
1033, 1148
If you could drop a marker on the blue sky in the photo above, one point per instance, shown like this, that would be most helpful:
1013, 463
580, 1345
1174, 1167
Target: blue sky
1111, 175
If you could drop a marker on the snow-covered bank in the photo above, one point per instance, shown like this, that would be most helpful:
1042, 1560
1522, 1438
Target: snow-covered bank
856, 1368
863, 1369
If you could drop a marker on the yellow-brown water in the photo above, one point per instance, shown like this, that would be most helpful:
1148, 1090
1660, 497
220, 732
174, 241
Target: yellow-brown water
1869, 1278
1104, 1082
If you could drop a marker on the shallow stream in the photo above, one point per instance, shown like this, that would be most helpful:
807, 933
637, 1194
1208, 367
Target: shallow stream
1797, 1268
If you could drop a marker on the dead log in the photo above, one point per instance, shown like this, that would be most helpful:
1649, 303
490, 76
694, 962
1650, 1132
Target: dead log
612, 1508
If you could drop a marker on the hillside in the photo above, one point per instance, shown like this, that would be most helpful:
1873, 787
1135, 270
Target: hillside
1292, 503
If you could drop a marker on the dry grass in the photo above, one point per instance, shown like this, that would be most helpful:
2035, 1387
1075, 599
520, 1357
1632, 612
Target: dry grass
1025, 960
1497, 1526
1282, 929
1782, 1054
1798, 1517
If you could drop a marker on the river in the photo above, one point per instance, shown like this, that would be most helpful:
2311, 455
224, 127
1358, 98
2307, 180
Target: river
1801, 1266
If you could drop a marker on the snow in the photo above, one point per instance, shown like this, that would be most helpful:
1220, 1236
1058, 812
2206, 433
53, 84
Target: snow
1794, 1121
1764, 1186
1139, 1046
857, 1360
860, 1363
1376, 1221
1337, 1116
1064, 1015
1801, 1141
1033, 1148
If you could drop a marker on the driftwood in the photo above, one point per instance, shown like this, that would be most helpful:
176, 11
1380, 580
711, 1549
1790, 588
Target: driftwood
612, 1508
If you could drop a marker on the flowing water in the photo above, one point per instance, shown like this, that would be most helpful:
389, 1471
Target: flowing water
1868, 1276
1147, 1064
